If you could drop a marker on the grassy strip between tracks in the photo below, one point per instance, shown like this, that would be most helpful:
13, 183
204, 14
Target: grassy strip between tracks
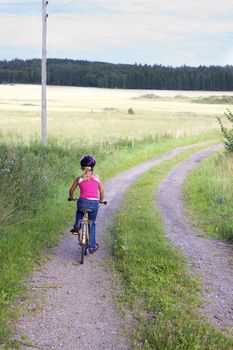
34, 181
209, 198
162, 296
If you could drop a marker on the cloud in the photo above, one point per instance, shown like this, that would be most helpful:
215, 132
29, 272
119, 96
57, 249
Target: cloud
197, 7
149, 31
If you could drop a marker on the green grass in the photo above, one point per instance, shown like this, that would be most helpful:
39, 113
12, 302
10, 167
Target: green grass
209, 198
34, 183
162, 297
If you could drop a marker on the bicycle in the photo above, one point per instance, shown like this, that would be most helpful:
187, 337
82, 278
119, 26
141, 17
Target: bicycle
84, 228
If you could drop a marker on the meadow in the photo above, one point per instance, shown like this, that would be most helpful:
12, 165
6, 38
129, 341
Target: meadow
34, 180
93, 115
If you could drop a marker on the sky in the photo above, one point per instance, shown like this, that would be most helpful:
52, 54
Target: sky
167, 32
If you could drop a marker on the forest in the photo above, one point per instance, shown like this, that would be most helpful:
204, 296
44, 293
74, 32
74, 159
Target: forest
67, 72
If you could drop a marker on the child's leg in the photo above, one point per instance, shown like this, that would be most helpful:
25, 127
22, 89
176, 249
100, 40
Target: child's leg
79, 215
78, 218
92, 232
92, 235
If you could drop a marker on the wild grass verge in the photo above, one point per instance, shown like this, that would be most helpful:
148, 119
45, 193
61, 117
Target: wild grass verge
162, 296
34, 181
209, 198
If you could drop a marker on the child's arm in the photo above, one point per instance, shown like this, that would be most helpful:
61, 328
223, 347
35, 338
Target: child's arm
101, 189
73, 188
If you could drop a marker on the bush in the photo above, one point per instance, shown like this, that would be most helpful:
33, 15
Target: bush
227, 133
130, 111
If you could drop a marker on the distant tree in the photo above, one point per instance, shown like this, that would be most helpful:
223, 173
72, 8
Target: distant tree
126, 76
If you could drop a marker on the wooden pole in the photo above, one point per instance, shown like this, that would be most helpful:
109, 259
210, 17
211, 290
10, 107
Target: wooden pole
44, 74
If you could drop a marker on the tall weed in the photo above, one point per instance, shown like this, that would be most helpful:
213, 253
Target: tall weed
227, 133
210, 197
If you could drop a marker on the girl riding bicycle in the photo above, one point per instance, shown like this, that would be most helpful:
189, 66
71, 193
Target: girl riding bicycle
91, 192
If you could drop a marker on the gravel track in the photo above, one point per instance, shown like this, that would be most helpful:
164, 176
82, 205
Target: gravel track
72, 306
210, 258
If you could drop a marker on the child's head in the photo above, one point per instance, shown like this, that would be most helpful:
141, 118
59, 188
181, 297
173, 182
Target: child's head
87, 164
87, 161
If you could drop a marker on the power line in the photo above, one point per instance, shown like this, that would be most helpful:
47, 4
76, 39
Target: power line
83, 2
7, 13
16, 16
33, 3
19, 3
62, 7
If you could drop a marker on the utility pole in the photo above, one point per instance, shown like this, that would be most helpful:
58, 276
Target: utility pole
44, 74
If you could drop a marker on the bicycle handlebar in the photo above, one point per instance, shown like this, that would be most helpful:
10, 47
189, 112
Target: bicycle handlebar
75, 199
103, 202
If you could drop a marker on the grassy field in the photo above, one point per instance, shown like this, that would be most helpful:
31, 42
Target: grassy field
162, 297
209, 198
72, 110
34, 180
34, 183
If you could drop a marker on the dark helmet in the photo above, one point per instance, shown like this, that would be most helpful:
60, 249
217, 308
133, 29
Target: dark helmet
87, 161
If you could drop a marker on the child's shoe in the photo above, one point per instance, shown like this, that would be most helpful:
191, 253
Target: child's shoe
75, 230
93, 250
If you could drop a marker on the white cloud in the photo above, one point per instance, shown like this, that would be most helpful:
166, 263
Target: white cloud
191, 29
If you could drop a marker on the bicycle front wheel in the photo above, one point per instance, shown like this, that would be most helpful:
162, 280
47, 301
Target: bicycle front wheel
83, 249
83, 242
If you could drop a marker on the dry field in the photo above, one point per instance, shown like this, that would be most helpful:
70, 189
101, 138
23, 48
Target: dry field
94, 114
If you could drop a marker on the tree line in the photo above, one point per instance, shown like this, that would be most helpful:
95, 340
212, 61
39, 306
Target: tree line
125, 76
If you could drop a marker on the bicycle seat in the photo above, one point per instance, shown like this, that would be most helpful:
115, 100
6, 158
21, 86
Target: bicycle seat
85, 211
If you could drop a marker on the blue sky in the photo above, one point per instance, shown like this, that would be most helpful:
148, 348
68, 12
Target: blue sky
167, 32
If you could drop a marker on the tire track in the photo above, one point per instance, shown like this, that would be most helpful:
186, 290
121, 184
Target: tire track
74, 309
212, 259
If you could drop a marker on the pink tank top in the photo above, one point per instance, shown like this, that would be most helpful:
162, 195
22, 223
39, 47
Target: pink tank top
89, 189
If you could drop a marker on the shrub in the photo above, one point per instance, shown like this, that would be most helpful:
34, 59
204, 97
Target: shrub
227, 133
130, 111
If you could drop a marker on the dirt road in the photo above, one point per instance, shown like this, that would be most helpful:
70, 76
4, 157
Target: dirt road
212, 259
72, 306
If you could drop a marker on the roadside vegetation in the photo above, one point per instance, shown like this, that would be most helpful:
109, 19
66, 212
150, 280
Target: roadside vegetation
209, 197
162, 296
34, 181
227, 132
